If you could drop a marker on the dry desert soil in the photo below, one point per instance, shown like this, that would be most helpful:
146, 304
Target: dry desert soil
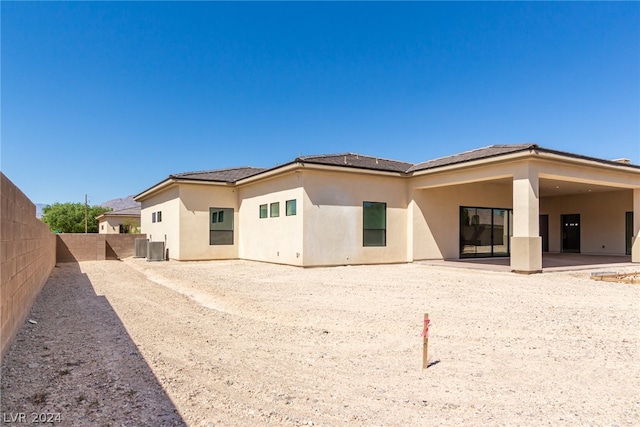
238, 343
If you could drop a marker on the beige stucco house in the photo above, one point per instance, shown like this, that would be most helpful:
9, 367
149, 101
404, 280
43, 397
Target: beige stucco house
514, 201
120, 221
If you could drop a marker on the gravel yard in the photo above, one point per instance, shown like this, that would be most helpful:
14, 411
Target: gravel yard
238, 343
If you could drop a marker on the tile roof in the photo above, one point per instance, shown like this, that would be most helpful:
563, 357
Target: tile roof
477, 154
353, 160
221, 175
619, 162
134, 210
359, 161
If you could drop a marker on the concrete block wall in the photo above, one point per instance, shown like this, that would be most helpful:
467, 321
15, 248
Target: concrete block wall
73, 247
122, 245
27, 256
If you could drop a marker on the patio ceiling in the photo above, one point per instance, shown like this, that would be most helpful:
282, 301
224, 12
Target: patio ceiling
554, 187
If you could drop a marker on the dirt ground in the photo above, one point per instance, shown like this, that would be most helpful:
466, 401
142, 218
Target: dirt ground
237, 343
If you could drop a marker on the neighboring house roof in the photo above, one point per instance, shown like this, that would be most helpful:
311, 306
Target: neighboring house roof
359, 161
220, 175
127, 212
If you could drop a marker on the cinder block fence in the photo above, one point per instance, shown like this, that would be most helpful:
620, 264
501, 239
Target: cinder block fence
29, 251
94, 247
27, 256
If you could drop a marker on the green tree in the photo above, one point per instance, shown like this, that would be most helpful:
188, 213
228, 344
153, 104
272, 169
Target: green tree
69, 217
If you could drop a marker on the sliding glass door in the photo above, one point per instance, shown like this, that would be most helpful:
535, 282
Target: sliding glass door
485, 232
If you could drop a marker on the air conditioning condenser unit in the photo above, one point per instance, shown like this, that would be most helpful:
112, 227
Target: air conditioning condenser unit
141, 248
155, 251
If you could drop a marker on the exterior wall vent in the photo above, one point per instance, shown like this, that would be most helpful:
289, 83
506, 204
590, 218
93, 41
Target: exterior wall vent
140, 248
155, 251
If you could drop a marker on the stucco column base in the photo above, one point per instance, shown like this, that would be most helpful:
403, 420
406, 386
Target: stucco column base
635, 250
526, 255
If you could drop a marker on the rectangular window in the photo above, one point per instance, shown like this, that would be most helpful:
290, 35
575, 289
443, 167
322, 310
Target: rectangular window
485, 232
153, 217
374, 221
159, 216
263, 211
290, 207
221, 226
275, 209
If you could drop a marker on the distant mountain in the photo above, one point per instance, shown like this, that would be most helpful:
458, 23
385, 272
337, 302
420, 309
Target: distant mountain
118, 204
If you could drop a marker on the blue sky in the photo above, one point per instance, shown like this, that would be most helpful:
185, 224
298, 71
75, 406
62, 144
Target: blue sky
109, 98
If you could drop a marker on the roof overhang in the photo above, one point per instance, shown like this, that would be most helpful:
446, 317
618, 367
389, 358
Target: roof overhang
503, 158
535, 153
613, 165
531, 152
170, 182
302, 165
352, 169
111, 215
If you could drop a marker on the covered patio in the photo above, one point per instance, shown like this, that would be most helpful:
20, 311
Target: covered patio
527, 210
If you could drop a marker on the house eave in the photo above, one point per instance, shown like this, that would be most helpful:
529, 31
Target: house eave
103, 216
169, 182
588, 161
353, 169
162, 185
534, 153
302, 165
269, 173
473, 163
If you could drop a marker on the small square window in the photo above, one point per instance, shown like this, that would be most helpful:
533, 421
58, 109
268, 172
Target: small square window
290, 207
263, 211
275, 209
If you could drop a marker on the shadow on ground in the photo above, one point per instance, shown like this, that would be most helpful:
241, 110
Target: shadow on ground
75, 360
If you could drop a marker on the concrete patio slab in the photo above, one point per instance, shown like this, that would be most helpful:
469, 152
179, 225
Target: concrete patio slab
551, 262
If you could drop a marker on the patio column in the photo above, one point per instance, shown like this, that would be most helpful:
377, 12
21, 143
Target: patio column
635, 242
526, 243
